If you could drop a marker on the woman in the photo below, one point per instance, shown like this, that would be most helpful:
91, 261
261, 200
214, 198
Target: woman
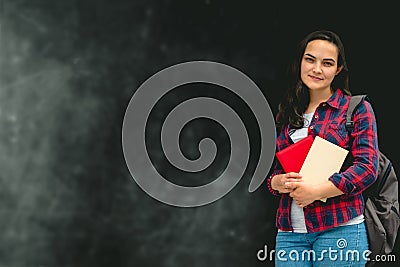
312, 232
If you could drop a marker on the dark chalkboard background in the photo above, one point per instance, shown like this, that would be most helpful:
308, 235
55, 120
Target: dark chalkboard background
68, 71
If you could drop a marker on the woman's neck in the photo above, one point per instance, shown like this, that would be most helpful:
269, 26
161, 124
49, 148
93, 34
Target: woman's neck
317, 98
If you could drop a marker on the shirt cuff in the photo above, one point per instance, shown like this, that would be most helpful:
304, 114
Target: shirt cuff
342, 183
273, 191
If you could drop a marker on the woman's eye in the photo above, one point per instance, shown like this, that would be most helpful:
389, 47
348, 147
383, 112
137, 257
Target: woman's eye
308, 59
328, 64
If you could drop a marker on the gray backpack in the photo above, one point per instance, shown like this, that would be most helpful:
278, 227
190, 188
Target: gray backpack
381, 200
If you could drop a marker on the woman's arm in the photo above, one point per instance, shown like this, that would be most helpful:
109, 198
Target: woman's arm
363, 172
305, 193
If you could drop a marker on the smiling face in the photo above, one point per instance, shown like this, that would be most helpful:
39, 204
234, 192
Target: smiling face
319, 65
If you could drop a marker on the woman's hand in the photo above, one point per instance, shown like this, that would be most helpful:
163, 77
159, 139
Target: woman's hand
281, 182
304, 193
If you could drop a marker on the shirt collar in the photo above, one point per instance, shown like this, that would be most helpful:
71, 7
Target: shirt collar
334, 100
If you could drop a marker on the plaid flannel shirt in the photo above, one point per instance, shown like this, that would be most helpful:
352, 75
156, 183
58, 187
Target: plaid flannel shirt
328, 122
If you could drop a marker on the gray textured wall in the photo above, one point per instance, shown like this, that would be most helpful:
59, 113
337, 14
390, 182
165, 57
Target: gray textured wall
68, 71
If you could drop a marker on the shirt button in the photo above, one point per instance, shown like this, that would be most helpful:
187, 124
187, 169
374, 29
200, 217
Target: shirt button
316, 116
324, 104
311, 127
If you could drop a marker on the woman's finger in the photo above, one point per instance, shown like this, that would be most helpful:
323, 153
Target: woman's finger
294, 180
291, 185
293, 175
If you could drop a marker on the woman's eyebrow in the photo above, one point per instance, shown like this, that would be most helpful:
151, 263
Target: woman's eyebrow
326, 59
310, 55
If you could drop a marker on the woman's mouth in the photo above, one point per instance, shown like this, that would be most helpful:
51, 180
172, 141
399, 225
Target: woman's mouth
315, 78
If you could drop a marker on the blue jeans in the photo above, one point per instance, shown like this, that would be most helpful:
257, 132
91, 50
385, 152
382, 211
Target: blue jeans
339, 246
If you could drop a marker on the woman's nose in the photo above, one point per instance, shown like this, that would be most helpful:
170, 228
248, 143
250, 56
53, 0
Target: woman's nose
317, 67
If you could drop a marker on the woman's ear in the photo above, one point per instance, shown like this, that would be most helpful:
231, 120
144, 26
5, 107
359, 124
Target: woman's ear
339, 70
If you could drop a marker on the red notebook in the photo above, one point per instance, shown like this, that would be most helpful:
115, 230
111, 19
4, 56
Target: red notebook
293, 156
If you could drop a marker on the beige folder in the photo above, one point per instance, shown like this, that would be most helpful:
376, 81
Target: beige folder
323, 159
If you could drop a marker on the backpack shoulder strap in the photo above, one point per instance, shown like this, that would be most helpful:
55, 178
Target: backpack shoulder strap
355, 100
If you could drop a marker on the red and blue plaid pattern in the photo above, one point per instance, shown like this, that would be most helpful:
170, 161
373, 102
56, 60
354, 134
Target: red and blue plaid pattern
329, 123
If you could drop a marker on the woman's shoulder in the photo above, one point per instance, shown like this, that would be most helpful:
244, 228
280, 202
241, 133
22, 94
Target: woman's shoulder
363, 111
363, 104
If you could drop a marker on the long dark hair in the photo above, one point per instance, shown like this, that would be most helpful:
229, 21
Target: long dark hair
297, 98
